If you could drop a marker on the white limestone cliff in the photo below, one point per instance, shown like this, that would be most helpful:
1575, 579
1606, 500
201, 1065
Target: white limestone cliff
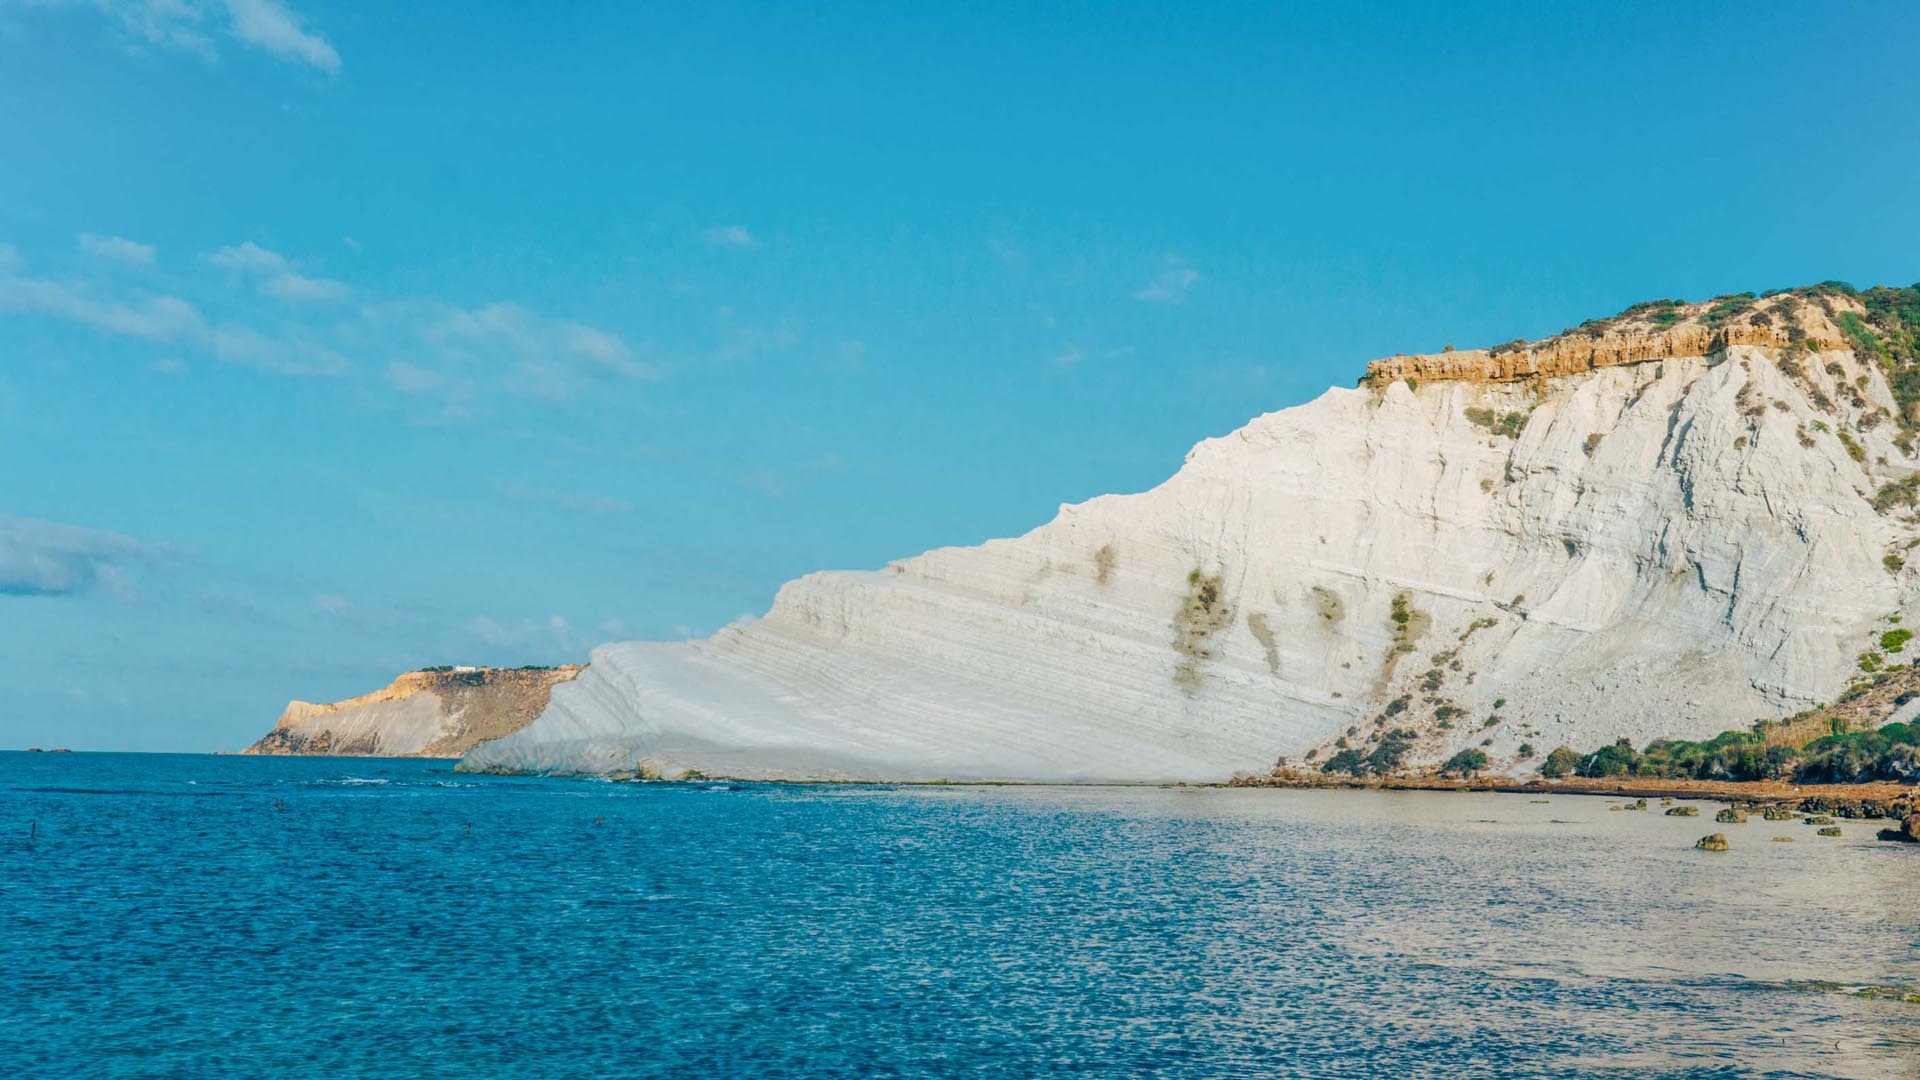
1638, 531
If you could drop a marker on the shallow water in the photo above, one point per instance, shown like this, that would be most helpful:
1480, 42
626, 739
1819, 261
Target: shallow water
185, 916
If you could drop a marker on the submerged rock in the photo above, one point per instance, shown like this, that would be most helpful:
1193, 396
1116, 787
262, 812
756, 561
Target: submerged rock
1819, 819
1684, 811
1712, 842
1831, 830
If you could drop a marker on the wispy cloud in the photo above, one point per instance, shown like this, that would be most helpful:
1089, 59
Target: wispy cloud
47, 558
332, 605
731, 236
277, 275
1171, 284
232, 604
119, 248
565, 500
174, 24
467, 358
155, 318
170, 319
248, 347
537, 342
413, 379
551, 640
188, 26
273, 27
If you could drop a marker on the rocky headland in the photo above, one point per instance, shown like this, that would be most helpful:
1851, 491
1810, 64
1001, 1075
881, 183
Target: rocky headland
435, 712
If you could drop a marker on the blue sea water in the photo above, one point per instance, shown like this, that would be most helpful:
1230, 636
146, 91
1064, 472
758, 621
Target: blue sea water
188, 916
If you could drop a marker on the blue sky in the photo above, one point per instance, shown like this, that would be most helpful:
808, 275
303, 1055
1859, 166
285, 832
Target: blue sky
337, 340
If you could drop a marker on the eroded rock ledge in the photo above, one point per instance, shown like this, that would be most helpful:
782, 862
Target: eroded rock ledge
1660, 331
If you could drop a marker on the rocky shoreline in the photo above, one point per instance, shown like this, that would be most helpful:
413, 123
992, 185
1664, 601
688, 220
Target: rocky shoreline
1870, 801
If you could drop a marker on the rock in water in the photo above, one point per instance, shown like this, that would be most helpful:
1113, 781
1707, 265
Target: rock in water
1632, 530
435, 712
1731, 816
1684, 811
1714, 842
1829, 831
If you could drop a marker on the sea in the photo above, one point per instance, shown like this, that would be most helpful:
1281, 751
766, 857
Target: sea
229, 917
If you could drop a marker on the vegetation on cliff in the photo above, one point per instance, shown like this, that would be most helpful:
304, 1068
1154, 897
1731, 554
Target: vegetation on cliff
1838, 744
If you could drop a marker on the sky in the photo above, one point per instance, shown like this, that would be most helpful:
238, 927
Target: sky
338, 340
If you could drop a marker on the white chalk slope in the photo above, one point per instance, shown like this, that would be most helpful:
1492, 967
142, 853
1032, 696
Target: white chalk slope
1710, 559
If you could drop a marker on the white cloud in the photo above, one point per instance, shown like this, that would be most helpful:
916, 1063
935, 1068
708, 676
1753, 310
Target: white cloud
464, 356
549, 640
300, 288
412, 378
731, 236
332, 605
565, 500
47, 558
277, 275
274, 28
487, 630
547, 351
1069, 358
173, 23
183, 24
157, 318
237, 605
593, 344
247, 347
1171, 284
118, 247
248, 257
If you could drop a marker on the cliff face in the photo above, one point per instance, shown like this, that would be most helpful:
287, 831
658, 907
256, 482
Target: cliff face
440, 712
1663, 330
1667, 524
